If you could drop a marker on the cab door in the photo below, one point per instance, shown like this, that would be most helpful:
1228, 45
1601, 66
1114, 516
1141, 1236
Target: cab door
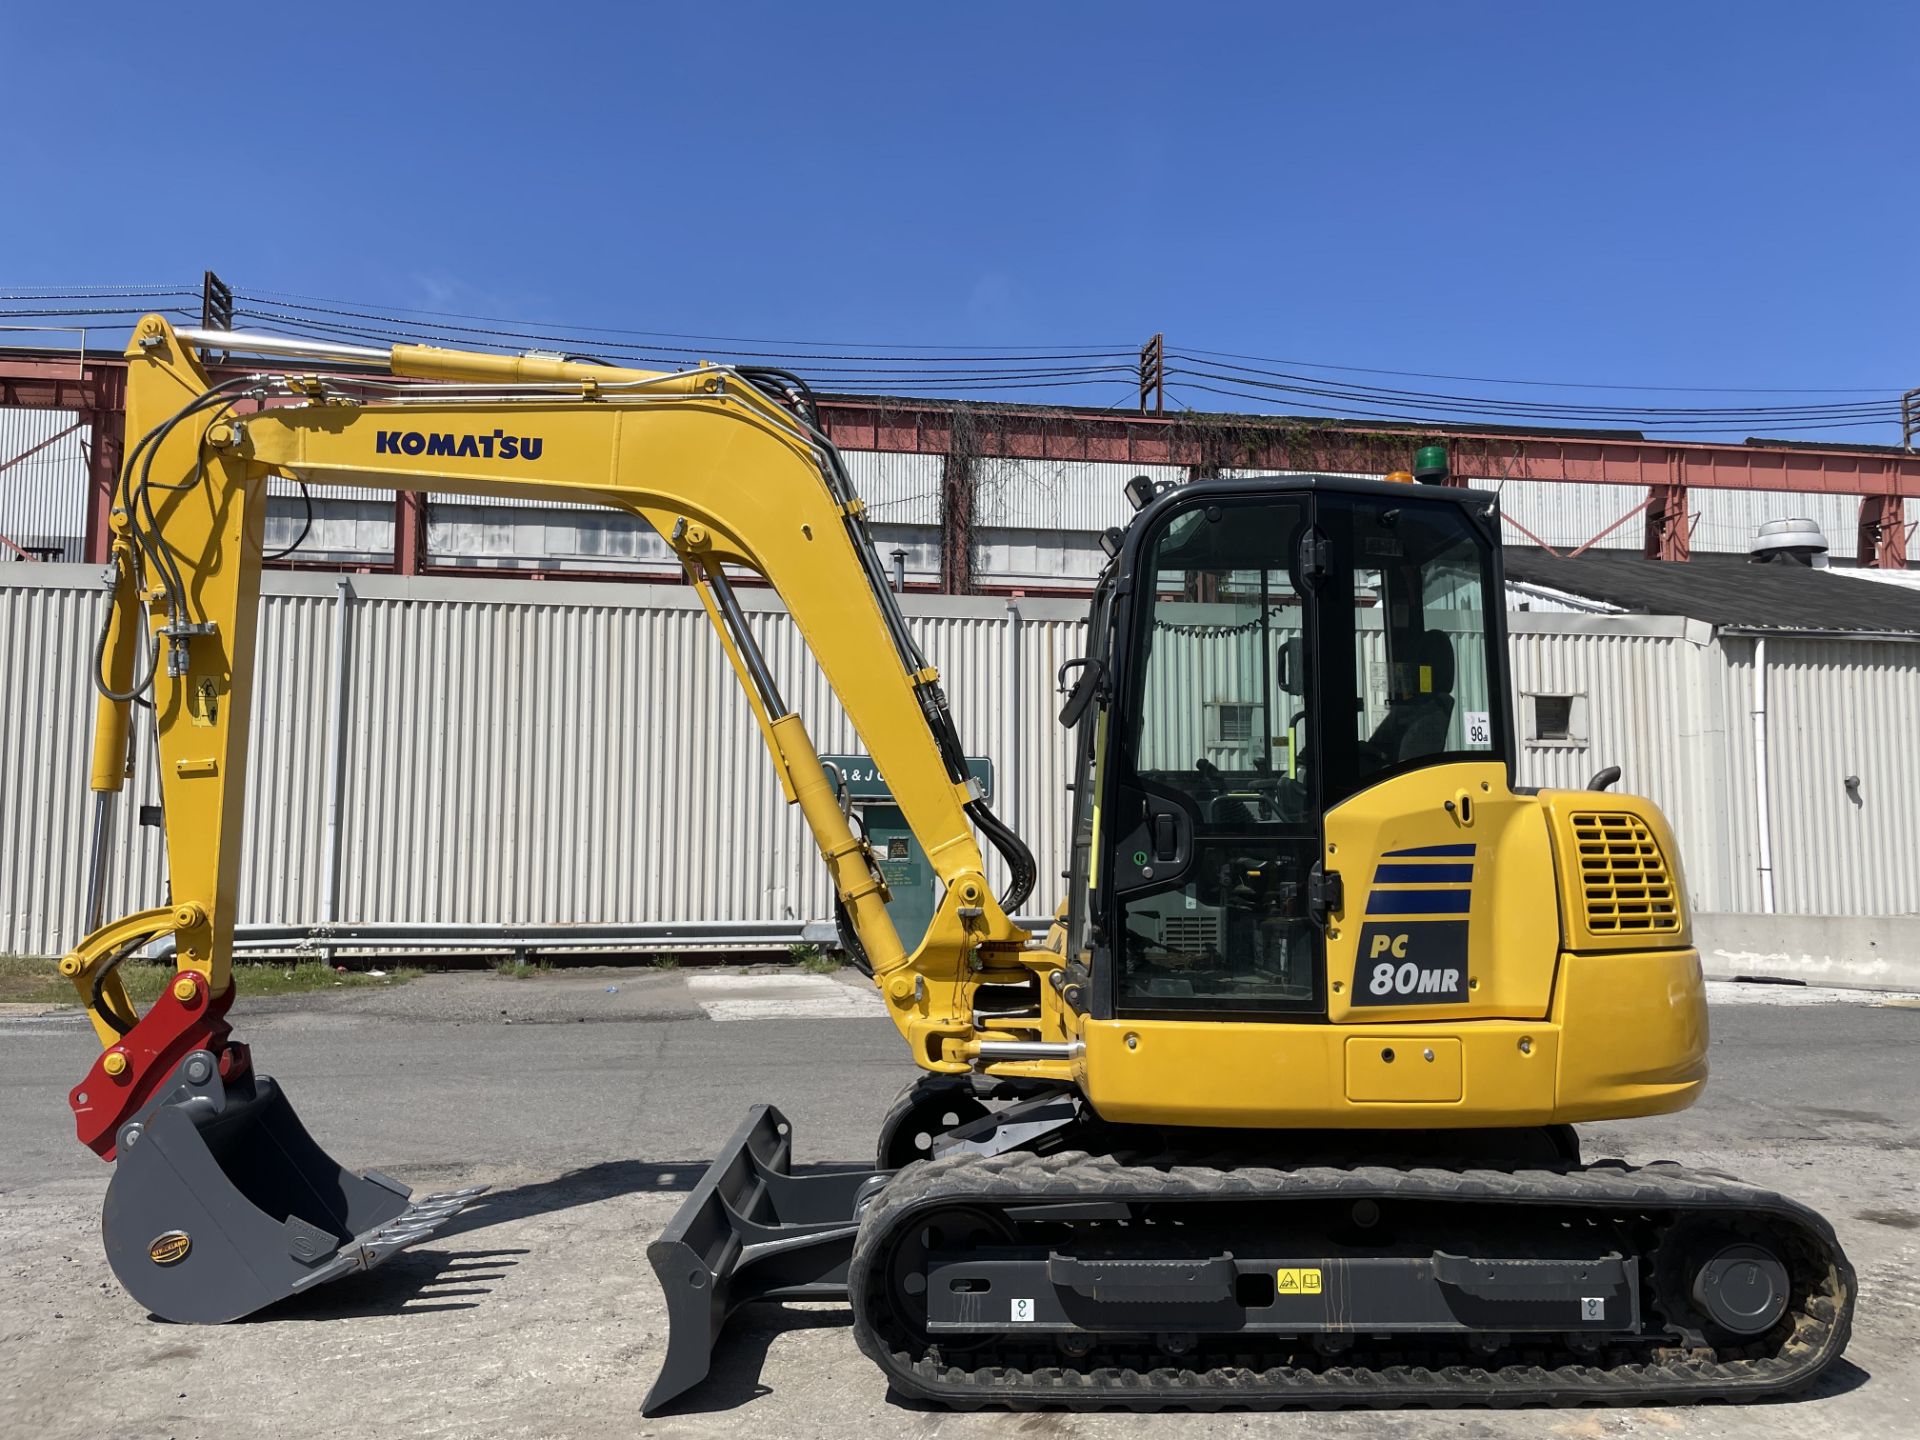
1304, 780
1210, 808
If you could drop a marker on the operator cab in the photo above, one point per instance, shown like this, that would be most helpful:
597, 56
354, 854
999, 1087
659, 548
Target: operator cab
1261, 651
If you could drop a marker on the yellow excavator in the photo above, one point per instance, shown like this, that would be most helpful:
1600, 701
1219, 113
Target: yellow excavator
1279, 1112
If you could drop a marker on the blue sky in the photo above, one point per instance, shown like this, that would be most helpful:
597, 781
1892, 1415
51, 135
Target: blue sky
1678, 194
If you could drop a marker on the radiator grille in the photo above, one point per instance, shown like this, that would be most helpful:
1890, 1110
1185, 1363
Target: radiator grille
1625, 877
1190, 934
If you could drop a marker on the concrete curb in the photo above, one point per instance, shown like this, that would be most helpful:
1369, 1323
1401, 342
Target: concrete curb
1872, 952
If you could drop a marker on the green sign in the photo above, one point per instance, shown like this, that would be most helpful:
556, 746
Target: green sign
864, 781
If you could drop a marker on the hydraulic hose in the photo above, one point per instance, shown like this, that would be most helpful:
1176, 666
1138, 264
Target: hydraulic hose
1024, 871
144, 537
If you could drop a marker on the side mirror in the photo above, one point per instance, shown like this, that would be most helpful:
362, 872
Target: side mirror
1289, 662
1093, 678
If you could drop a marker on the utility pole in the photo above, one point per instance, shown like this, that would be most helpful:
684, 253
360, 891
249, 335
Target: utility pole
1153, 374
216, 304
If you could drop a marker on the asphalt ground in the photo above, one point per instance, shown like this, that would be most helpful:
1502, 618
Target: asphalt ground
591, 1100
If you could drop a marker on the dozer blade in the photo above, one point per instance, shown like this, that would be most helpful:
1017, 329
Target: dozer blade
221, 1203
752, 1230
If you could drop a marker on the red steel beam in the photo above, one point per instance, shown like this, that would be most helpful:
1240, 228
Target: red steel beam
103, 475
42, 380
409, 533
33, 381
1883, 533
96, 387
1669, 527
1262, 442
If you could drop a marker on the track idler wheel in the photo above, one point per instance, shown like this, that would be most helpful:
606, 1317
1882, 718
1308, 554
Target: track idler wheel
958, 1228
1742, 1288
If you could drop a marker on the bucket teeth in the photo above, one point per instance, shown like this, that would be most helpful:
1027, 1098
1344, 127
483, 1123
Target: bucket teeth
417, 1222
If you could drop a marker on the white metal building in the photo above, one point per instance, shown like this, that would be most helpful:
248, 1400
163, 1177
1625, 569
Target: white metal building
1037, 523
43, 491
517, 753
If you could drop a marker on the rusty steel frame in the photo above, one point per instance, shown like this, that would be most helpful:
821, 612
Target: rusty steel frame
95, 386
920, 427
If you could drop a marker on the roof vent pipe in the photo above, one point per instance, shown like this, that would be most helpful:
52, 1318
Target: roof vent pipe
1795, 541
1762, 812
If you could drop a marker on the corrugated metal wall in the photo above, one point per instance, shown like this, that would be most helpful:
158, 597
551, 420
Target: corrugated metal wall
46, 635
43, 496
555, 752
1566, 515
513, 752
1643, 681
1835, 712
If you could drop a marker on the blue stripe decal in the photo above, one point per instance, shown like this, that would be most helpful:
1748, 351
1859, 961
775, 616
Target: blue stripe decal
1436, 851
1419, 902
1423, 875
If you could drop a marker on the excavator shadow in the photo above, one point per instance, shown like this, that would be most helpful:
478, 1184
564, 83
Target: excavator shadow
1840, 1378
608, 1180
414, 1282
433, 1278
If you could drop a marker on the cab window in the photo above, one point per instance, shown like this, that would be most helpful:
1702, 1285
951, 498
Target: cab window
1418, 580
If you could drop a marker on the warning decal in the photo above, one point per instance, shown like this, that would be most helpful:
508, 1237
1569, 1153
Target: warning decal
1298, 1282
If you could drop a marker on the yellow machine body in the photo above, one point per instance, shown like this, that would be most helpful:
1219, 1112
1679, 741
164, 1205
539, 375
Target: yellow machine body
1305, 895
1562, 1021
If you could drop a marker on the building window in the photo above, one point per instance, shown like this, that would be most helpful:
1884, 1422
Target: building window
1236, 723
1555, 719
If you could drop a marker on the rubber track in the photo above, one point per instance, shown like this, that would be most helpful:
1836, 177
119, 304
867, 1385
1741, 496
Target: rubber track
1821, 1323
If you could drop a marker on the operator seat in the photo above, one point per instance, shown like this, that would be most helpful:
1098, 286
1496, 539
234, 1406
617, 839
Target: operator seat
1416, 724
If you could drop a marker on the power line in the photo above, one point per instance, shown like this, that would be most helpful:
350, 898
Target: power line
377, 323
1403, 417
95, 292
975, 368
281, 296
967, 369
1552, 384
1535, 411
69, 312
1315, 385
945, 374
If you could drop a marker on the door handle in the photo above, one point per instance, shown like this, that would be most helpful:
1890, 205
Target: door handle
1166, 836
1326, 893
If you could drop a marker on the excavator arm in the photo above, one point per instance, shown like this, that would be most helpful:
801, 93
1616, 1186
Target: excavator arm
727, 465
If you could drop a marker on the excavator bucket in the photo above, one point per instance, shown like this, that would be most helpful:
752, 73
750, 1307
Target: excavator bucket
222, 1204
751, 1230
